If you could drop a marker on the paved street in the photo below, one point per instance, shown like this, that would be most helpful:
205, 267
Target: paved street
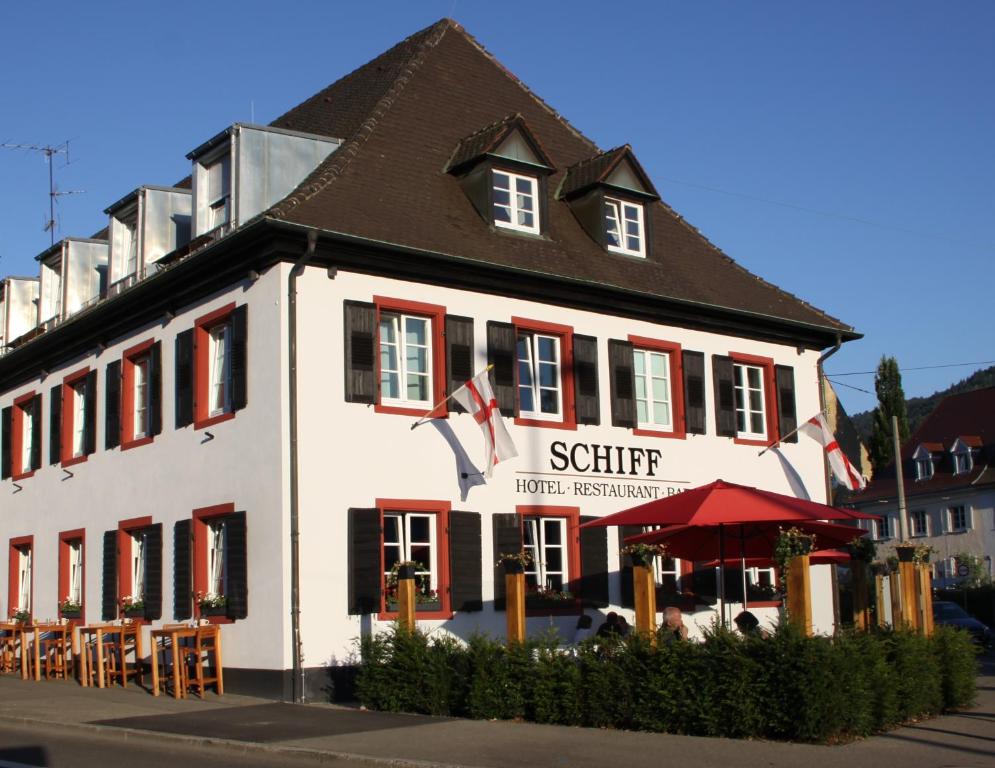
62, 724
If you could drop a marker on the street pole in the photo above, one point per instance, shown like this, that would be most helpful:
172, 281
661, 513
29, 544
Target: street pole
903, 526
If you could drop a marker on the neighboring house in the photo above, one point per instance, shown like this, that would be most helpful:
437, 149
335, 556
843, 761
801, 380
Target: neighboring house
419, 219
949, 485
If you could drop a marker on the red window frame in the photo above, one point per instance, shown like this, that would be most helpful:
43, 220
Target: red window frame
199, 528
441, 510
68, 416
13, 583
129, 358
673, 349
770, 393
437, 315
65, 538
572, 515
17, 436
566, 334
202, 366
125, 529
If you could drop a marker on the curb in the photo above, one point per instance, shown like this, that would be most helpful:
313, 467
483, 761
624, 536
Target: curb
318, 755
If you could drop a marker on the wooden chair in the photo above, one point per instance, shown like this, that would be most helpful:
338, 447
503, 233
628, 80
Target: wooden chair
111, 655
202, 661
54, 651
163, 646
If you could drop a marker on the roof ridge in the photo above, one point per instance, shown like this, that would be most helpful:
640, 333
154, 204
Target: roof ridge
337, 162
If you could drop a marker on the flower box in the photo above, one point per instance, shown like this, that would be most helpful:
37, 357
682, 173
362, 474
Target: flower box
72, 613
537, 602
135, 613
433, 605
213, 610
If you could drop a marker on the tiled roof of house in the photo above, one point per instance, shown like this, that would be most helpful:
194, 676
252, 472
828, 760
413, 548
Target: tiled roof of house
596, 169
401, 116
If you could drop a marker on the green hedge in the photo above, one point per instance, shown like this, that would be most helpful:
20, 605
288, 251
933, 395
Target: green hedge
784, 687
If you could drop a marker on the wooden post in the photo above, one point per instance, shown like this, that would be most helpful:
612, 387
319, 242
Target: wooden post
406, 598
910, 593
926, 597
644, 592
879, 599
895, 594
861, 597
514, 586
799, 602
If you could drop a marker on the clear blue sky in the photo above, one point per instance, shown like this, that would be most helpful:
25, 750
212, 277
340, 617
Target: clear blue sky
843, 151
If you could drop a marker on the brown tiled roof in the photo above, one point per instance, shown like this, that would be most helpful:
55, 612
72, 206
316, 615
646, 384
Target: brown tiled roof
596, 169
488, 139
402, 114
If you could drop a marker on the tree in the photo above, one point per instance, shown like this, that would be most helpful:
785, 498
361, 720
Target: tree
977, 572
891, 402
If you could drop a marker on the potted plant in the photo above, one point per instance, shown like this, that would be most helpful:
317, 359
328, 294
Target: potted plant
70, 609
642, 554
133, 607
426, 598
211, 604
791, 543
514, 562
547, 597
20, 617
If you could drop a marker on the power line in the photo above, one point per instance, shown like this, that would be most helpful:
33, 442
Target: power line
917, 368
848, 386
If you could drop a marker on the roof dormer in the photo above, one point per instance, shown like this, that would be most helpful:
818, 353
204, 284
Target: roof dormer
962, 453
18, 310
144, 226
609, 194
73, 277
245, 169
923, 458
503, 170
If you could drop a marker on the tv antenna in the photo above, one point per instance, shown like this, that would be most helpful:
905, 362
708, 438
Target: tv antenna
53, 192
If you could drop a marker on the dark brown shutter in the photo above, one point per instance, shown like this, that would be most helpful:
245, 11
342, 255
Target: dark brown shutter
585, 349
184, 378
182, 571
112, 405
725, 396
459, 355
628, 599
360, 352
36, 432
501, 344
55, 425
237, 603
694, 391
593, 565
108, 602
365, 561
507, 529
787, 419
6, 425
622, 381
465, 562
90, 413
155, 389
153, 572
239, 357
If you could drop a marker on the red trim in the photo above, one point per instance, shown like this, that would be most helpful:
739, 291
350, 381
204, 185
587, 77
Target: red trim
13, 585
68, 415
126, 421
124, 531
65, 537
437, 315
572, 515
17, 470
200, 518
770, 393
441, 510
673, 349
566, 334
201, 366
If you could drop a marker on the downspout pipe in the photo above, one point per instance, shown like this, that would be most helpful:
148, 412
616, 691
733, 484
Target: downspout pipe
297, 681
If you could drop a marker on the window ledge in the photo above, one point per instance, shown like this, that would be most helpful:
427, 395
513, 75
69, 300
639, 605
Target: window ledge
393, 615
75, 460
22, 475
136, 443
212, 420
217, 619
530, 422
569, 610
764, 603
761, 443
673, 434
404, 410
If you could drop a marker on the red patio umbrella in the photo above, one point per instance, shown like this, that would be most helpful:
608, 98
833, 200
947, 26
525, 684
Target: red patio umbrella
819, 557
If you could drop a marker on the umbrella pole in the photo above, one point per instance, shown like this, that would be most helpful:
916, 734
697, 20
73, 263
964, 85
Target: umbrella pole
722, 574
742, 562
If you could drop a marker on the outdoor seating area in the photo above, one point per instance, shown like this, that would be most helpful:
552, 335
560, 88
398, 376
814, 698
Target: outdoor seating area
183, 658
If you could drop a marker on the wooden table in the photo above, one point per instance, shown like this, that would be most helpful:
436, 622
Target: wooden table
15, 632
99, 632
63, 633
173, 634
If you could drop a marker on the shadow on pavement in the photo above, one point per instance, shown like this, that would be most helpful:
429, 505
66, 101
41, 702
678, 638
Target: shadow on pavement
24, 756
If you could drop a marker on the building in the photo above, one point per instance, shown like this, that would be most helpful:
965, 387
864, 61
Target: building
949, 486
232, 414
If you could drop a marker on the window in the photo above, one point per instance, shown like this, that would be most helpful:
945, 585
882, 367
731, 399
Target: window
963, 462
416, 531
411, 356
71, 573
217, 561
138, 570
920, 522
550, 535
624, 227
658, 387
140, 393
219, 193
219, 371
761, 583
79, 393
748, 385
924, 463
539, 388
958, 518
882, 528
219, 385
26, 436
136, 551
219, 564
515, 202
20, 575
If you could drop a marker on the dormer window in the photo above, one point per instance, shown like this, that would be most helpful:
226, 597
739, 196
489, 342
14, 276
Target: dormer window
961, 453
515, 201
219, 192
924, 463
624, 227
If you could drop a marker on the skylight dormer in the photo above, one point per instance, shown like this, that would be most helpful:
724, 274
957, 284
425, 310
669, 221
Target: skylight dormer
610, 195
144, 226
923, 458
245, 169
962, 454
503, 170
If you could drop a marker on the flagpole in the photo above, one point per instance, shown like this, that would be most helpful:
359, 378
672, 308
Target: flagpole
782, 438
429, 417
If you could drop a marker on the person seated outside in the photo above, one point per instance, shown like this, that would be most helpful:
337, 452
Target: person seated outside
611, 626
674, 627
749, 625
583, 629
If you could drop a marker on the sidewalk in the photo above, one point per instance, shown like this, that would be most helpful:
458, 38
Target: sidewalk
238, 722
